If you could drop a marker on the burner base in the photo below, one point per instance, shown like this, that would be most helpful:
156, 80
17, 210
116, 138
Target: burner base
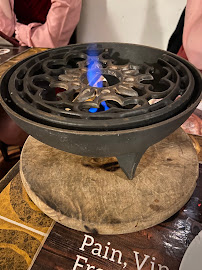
89, 198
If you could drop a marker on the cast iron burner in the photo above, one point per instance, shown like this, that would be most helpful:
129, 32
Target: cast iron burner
50, 97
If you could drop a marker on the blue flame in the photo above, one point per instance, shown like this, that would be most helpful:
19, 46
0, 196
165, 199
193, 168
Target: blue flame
93, 110
104, 105
93, 75
94, 72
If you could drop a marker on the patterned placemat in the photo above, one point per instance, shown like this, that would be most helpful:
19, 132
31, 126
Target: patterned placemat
23, 227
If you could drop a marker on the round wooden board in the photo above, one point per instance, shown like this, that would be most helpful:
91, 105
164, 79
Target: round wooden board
95, 200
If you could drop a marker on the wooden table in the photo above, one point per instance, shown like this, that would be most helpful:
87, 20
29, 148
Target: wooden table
160, 247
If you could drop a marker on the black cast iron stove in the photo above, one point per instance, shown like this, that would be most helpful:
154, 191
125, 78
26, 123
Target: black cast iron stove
145, 95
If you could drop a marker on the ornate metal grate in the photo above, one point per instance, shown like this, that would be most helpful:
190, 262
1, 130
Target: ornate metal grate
53, 88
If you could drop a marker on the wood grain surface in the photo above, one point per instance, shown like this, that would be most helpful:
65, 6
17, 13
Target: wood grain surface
93, 199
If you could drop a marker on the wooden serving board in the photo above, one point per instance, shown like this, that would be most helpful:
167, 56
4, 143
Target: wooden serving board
91, 199
163, 245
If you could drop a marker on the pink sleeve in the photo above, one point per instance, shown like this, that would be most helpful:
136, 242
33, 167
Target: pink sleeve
7, 25
192, 34
61, 21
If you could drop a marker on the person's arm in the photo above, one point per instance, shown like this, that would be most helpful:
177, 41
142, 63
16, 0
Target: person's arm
7, 17
192, 34
61, 21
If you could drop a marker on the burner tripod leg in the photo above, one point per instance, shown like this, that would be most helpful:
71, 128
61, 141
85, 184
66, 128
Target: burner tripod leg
129, 163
